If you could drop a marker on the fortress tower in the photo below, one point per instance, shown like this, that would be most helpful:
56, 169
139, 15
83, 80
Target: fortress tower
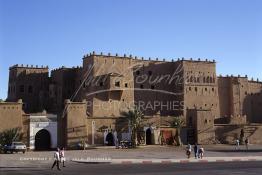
29, 83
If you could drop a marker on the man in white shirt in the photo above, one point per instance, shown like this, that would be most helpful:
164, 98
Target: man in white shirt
56, 160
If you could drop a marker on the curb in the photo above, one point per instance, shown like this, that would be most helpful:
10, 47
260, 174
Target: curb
168, 161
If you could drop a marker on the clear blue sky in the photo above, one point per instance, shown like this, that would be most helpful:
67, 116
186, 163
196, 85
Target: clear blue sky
59, 32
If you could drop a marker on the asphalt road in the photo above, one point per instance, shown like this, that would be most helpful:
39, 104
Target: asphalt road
223, 168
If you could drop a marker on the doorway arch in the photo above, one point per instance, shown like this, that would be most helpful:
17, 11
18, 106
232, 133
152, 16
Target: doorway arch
148, 137
42, 140
110, 139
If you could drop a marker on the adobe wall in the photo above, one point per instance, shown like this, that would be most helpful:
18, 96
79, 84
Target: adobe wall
205, 127
11, 115
96, 126
255, 98
156, 88
232, 120
75, 122
26, 129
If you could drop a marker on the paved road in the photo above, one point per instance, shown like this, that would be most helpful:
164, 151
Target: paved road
239, 168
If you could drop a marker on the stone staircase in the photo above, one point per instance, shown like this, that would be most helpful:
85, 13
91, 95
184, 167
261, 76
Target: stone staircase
254, 133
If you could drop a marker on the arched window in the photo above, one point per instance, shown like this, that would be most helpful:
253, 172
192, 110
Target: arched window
198, 79
207, 80
191, 79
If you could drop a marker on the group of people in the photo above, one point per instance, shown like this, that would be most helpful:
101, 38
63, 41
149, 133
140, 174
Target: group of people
238, 143
59, 157
198, 151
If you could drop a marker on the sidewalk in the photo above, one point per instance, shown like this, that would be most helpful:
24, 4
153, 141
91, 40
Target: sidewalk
166, 161
168, 154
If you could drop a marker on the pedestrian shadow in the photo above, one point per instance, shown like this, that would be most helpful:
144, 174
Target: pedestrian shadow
17, 167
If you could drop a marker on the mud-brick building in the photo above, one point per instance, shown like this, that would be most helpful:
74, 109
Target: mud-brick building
88, 100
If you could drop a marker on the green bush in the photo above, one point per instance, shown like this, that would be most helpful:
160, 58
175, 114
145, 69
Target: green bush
10, 135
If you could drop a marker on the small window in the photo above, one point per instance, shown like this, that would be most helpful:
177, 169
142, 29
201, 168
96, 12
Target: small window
189, 88
142, 86
117, 84
213, 89
126, 85
30, 89
137, 72
101, 84
205, 89
152, 87
149, 73
190, 121
22, 88
196, 89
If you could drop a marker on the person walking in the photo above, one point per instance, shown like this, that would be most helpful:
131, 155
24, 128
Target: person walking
246, 143
196, 150
56, 159
62, 156
201, 152
237, 144
188, 151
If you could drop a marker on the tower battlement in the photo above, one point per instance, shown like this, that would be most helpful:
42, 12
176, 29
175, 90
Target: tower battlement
66, 68
125, 56
28, 66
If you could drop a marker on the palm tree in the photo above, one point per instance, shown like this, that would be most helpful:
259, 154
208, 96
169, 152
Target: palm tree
134, 117
178, 122
10, 135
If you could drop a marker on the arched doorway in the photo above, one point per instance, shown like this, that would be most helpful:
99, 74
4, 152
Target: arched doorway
42, 140
148, 137
110, 139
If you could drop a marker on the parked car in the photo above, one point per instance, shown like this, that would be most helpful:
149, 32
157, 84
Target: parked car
15, 147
